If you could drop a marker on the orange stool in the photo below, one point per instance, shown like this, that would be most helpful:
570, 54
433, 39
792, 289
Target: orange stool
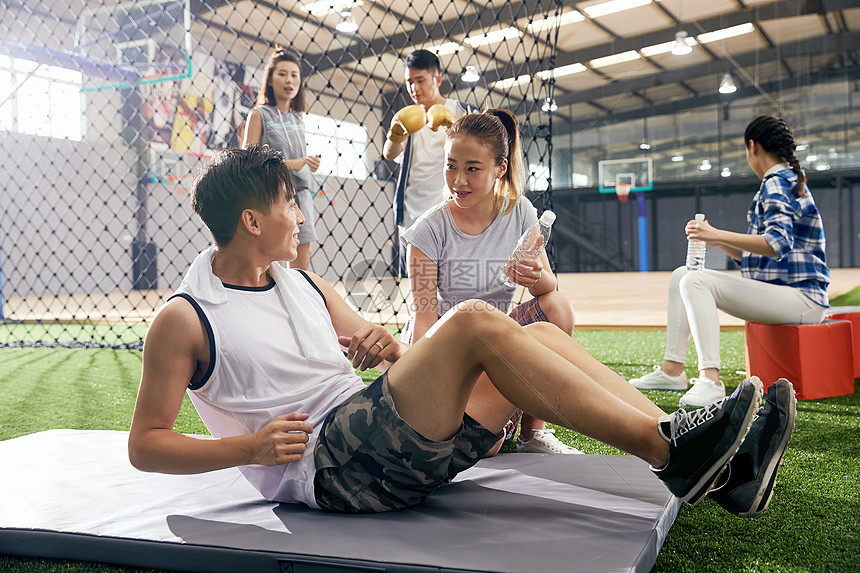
818, 359
854, 319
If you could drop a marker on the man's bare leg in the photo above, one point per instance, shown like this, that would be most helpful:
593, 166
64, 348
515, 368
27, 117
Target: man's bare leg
432, 383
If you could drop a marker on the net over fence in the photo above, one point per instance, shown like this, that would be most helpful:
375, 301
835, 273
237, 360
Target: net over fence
108, 108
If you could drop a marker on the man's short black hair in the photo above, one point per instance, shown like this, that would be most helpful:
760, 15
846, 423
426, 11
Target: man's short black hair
238, 179
423, 60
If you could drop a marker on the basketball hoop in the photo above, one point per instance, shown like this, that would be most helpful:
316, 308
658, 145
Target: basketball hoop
623, 191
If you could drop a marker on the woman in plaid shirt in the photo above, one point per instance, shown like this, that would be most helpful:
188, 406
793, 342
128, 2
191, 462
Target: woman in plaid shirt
784, 274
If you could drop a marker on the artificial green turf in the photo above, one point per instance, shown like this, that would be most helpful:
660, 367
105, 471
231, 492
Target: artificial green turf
813, 523
850, 298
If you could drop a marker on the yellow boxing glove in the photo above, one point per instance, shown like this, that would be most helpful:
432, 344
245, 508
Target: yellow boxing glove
440, 116
406, 122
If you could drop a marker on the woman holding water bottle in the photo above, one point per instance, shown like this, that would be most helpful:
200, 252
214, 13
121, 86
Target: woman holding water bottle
457, 249
276, 121
784, 274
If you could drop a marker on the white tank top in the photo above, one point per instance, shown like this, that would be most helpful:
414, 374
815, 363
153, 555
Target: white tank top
258, 371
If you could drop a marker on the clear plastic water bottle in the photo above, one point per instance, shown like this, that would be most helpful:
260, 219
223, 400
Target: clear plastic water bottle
696, 251
530, 245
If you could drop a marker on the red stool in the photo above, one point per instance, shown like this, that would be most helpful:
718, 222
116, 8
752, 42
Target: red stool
854, 319
818, 359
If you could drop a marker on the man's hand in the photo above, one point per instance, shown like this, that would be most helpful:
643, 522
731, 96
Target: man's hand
406, 122
281, 441
369, 346
440, 116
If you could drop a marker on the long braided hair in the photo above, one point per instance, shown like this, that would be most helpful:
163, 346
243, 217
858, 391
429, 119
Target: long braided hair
774, 135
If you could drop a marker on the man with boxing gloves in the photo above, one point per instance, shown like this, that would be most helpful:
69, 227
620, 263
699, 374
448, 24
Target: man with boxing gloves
416, 141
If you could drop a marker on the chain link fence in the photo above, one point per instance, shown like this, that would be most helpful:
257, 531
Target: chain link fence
108, 108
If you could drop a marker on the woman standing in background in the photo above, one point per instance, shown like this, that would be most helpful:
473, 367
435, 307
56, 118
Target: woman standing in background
276, 122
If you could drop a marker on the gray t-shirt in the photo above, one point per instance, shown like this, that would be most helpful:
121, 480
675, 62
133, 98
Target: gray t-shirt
286, 133
469, 265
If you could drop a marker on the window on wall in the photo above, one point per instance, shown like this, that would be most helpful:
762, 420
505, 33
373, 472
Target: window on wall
47, 102
342, 146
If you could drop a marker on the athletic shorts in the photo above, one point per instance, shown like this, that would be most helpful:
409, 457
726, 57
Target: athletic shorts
305, 201
528, 312
370, 460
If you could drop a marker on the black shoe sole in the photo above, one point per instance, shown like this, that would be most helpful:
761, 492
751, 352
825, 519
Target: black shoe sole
765, 492
706, 482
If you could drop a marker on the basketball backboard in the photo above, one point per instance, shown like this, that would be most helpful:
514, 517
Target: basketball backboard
149, 41
636, 172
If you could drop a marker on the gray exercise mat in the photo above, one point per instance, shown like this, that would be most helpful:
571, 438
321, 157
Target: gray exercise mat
73, 494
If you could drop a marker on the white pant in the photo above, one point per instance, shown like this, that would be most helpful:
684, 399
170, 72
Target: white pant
695, 296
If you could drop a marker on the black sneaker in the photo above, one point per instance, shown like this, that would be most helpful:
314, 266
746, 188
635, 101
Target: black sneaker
703, 441
746, 485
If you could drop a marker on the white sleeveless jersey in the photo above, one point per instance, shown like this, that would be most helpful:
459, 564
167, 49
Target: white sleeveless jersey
258, 371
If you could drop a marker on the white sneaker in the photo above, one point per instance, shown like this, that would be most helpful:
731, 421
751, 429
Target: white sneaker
544, 442
659, 380
703, 393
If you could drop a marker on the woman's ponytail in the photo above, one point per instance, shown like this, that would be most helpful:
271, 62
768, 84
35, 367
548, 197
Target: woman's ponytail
497, 128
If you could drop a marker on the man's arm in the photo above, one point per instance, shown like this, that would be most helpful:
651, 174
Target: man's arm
390, 150
404, 123
175, 344
357, 334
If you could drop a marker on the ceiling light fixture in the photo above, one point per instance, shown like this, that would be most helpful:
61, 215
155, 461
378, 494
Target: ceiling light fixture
644, 146
347, 25
705, 166
678, 157
492, 37
446, 49
549, 105
726, 172
561, 71
542, 24
627, 56
511, 82
326, 7
725, 33
681, 47
470, 75
613, 6
727, 84
657, 49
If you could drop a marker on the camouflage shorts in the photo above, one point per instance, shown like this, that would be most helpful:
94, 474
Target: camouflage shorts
369, 460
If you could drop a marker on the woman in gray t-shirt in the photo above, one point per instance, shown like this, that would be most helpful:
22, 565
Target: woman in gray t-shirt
457, 249
276, 122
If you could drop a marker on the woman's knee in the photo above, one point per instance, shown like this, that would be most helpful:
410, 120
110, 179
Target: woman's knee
558, 310
677, 275
692, 281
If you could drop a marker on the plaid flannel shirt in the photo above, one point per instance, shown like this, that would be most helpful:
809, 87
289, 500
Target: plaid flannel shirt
792, 226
